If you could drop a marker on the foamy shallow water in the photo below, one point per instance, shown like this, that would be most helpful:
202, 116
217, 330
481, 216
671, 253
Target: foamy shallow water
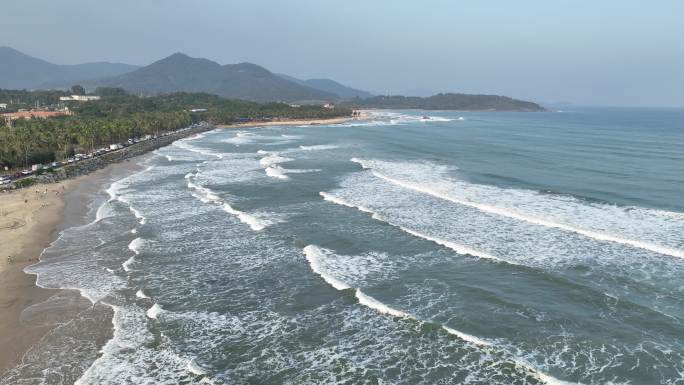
455, 249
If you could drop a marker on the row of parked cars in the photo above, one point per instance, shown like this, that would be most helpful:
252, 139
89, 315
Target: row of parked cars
7, 179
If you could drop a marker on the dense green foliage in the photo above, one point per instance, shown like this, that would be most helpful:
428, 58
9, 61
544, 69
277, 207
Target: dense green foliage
463, 102
78, 90
115, 119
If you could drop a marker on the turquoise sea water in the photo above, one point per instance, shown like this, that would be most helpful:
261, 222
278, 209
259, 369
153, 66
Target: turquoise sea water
467, 248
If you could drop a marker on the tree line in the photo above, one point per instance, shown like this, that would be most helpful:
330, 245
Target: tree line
448, 101
117, 117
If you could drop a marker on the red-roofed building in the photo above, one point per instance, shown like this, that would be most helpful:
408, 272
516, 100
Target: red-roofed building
12, 116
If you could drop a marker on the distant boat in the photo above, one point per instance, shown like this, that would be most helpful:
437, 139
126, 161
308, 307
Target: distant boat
425, 117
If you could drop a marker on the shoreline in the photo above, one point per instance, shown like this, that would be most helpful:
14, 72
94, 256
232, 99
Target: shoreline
298, 122
31, 219
66, 204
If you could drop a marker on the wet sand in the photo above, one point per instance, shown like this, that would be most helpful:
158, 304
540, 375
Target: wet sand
30, 219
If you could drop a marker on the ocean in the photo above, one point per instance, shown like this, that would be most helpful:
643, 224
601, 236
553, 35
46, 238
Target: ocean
459, 248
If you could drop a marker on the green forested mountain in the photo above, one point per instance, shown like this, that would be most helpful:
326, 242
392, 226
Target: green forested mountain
331, 86
20, 71
465, 102
181, 73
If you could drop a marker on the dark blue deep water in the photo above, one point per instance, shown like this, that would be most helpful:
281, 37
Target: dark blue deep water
467, 248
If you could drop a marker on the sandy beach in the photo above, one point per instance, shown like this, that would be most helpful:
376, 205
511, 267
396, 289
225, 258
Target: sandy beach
297, 122
28, 222
30, 219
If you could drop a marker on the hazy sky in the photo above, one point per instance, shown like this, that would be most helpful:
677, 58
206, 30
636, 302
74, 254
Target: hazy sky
604, 52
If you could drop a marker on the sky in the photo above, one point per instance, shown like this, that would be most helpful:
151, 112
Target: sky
599, 52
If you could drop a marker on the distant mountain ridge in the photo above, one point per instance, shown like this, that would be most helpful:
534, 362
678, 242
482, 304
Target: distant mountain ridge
21, 71
331, 86
180, 72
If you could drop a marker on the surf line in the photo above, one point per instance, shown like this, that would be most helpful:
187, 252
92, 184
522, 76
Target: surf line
509, 214
209, 196
314, 254
458, 248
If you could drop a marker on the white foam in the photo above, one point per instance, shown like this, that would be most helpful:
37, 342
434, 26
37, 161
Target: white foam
194, 368
208, 196
240, 138
129, 357
113, 190
273, 159
276, 172
195, 137
141, 218
103, 212
202, 151
141, 294
458, 248
510, 213
319, 147
331, 198
313, 255
376, 305
154, 311
547, 379
253, 222
135, 245
466, 337
127, 265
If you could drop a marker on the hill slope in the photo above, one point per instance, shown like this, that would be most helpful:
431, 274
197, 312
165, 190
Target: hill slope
19, 71
180, 72
331, 86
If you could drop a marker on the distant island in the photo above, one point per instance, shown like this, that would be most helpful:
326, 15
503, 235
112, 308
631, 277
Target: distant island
245, 81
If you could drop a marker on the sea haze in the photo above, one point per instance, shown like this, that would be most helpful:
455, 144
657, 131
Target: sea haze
473, 248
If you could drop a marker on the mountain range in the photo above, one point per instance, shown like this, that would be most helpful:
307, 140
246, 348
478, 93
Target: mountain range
247, 81
21, 71
329, 86
178, 72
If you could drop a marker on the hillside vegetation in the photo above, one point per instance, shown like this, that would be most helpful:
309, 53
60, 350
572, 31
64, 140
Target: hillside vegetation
465, 102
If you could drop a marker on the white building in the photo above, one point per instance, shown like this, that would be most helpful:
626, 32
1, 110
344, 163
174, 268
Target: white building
79, 98
3, 105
